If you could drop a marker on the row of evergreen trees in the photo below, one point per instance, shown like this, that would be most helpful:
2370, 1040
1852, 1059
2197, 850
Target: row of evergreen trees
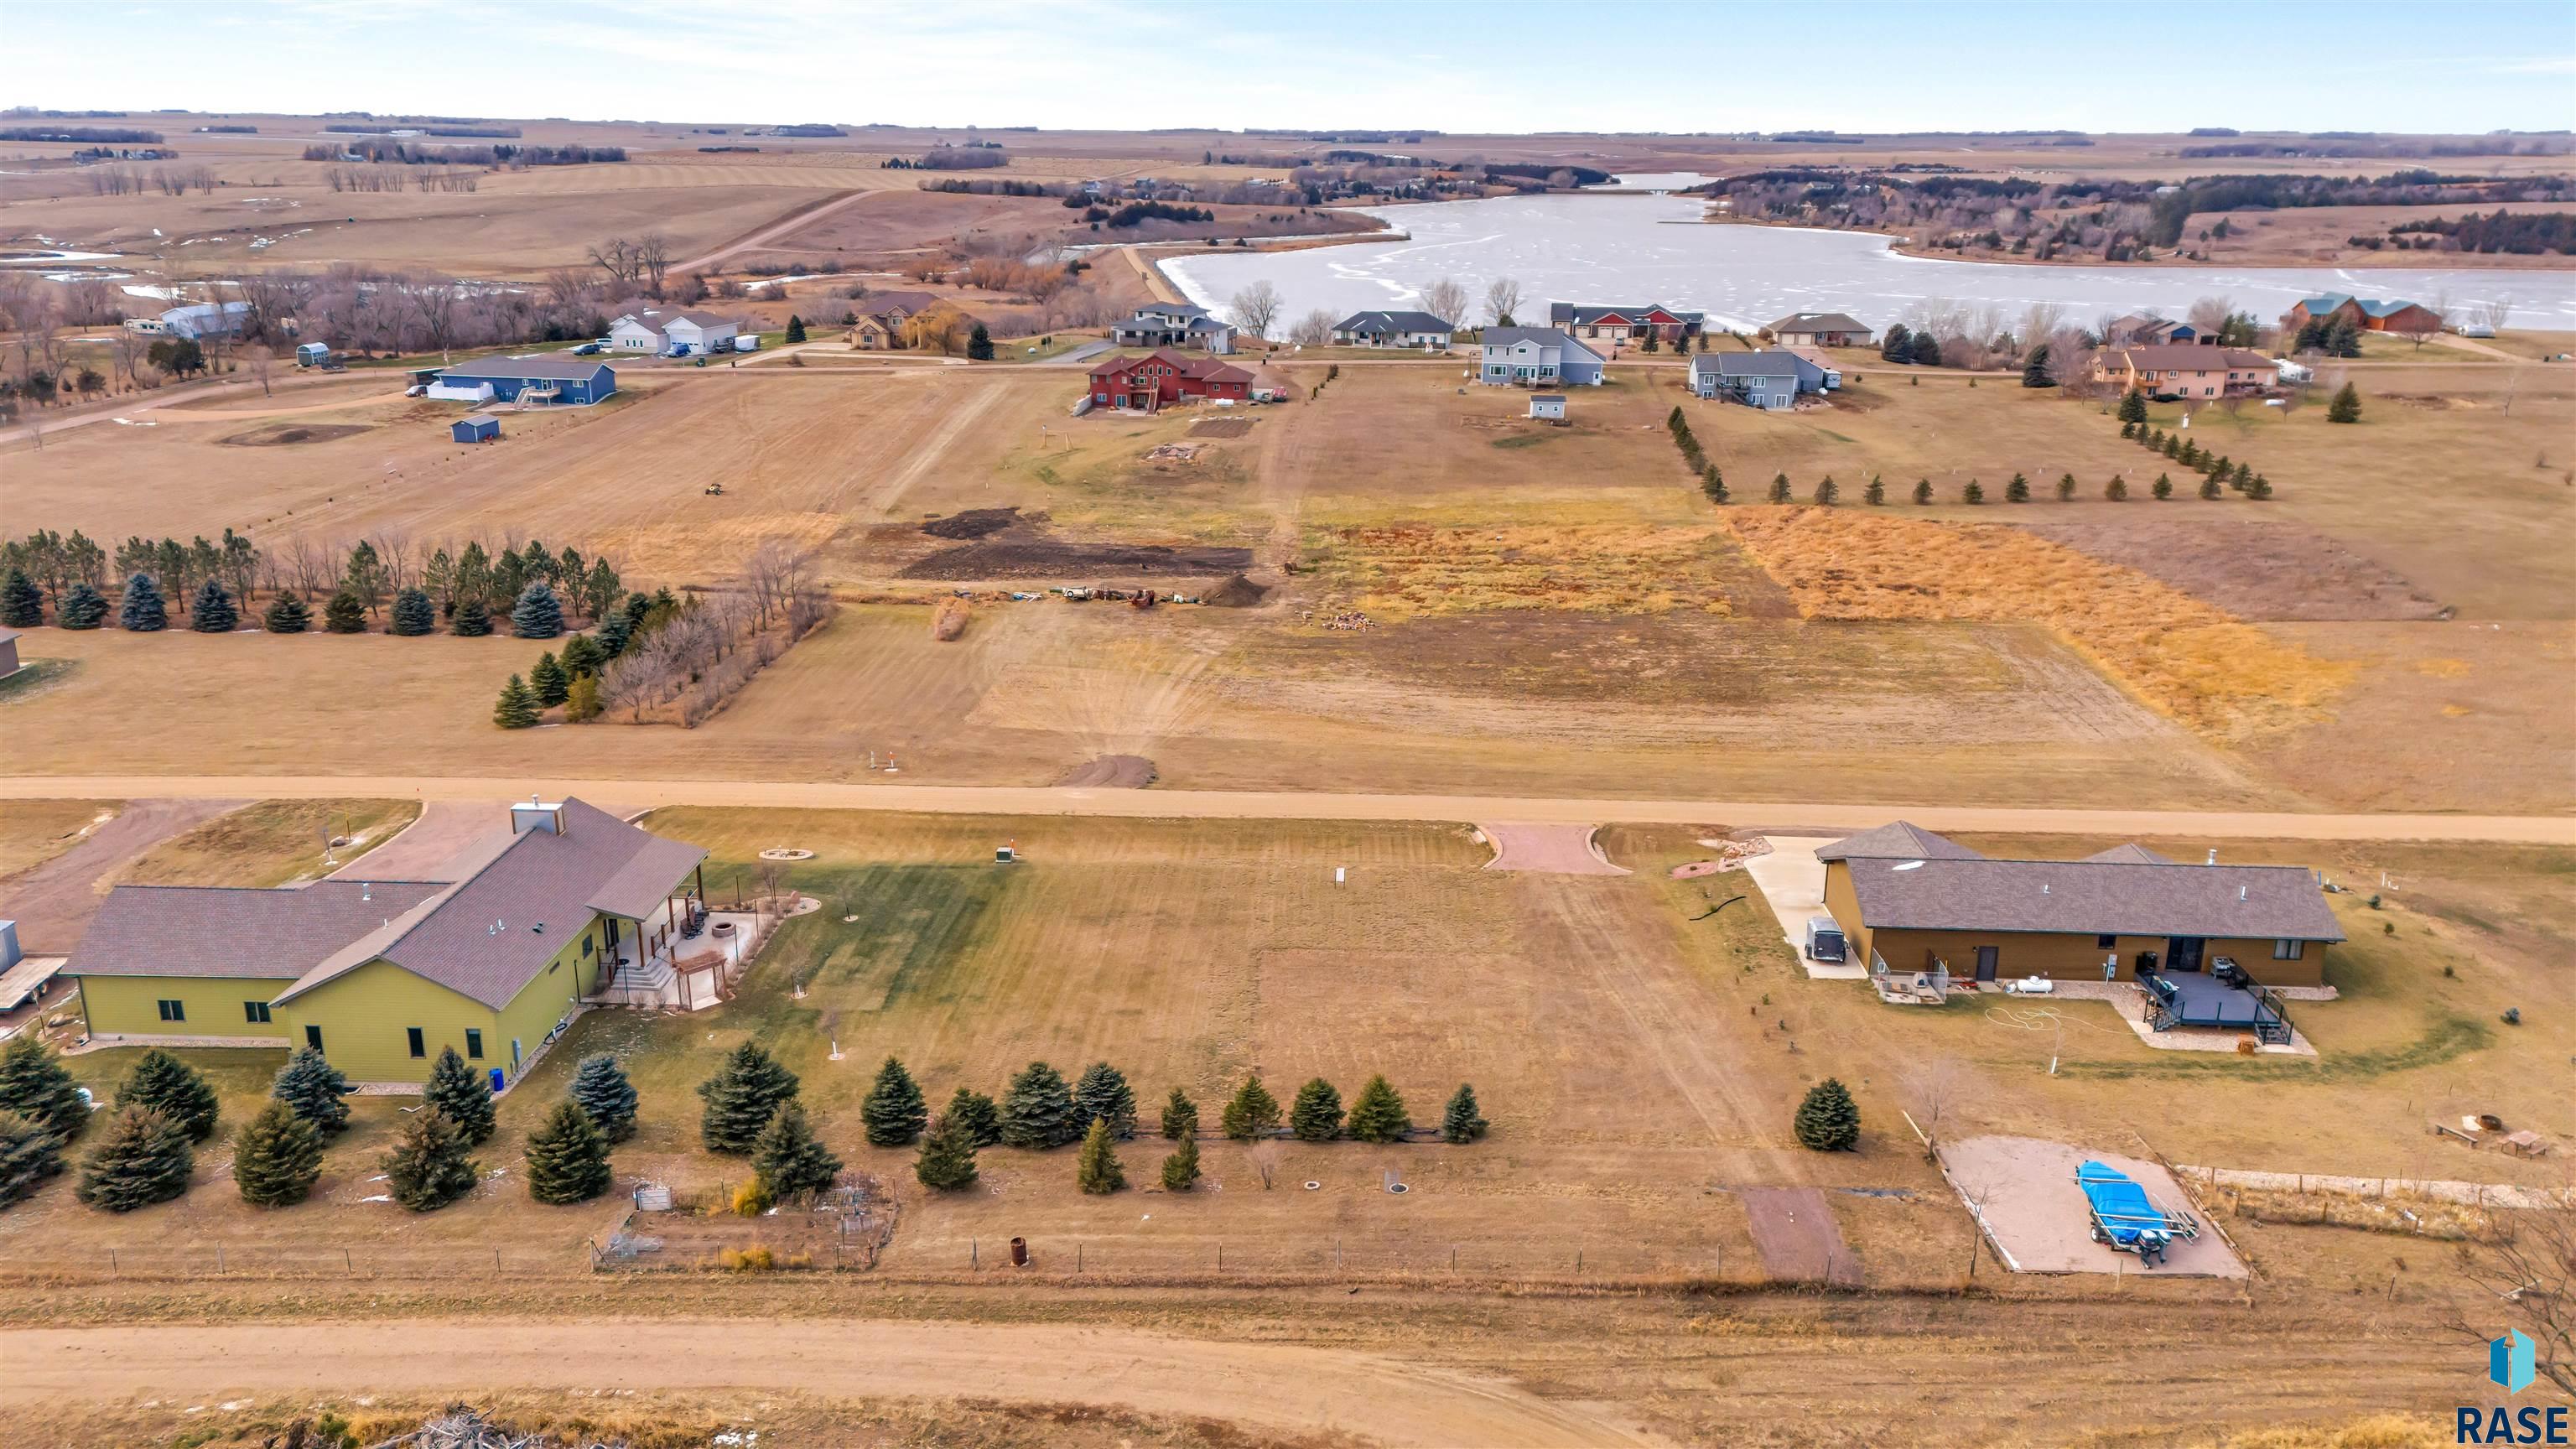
2018, 489
164, 1108
571, 681
1711, 482
2216, 469
1920, 349
538, 613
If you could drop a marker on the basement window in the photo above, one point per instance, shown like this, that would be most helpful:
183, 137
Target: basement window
419, 1048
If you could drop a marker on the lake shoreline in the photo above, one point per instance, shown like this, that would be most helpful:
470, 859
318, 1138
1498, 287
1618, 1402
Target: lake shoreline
1906, 247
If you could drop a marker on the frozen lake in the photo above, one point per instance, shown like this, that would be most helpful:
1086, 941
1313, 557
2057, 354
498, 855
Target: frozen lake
1648, 248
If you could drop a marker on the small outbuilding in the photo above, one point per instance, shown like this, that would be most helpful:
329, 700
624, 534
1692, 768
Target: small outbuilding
480, 428
1547, 407
8, 653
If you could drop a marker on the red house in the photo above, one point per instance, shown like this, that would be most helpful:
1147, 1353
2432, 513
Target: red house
1162, 377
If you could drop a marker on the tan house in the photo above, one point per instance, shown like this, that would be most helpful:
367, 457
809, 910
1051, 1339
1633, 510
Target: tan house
1821, 329
2183, 370
1910, 901
881, 315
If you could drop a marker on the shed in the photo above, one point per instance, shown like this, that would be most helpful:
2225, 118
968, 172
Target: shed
480, 428
308, 354
1549, 406
8, 652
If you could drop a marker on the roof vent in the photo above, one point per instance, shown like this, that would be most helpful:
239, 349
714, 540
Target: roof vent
2240, 893
366, 891
539, 928
2213, 856
1907, 865
2043, 887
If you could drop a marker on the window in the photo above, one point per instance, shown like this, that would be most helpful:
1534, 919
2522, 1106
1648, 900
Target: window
474, 1043
2289, 950
313, 1037
419, 1048
174, 1010
585, 945
2105, 943
255, 1011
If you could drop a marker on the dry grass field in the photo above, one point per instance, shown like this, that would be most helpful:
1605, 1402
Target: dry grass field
271, 843
35, 831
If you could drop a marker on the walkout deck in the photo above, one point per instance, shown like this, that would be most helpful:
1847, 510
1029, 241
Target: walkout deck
2192, 998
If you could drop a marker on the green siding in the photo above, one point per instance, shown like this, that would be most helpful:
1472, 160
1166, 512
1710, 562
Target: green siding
129, 1005
366, 1016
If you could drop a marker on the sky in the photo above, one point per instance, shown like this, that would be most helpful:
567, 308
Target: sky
1504, 65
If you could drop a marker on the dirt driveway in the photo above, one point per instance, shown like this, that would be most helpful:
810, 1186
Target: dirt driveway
1555, 849
1795, 1232
53, 903
1266, 1386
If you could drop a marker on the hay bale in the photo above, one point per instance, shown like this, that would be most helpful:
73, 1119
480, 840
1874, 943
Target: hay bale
949, 622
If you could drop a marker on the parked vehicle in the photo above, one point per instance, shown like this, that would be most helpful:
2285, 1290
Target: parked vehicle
1824, 939
2474, 329
587, 349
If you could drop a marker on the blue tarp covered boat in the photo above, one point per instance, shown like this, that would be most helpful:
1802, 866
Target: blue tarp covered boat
2125, 1218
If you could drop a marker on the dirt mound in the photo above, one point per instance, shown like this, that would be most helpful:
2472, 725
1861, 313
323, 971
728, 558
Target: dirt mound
973, 523
1238, 592
288, 437
1114, 772
1047, 558
950, 622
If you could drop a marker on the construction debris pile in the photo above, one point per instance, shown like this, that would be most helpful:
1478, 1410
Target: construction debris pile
1172, 453
1349, 619
460, 1427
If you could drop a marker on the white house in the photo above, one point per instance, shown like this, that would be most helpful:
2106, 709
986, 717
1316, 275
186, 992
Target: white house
1395, 329
1537, 356
672, 334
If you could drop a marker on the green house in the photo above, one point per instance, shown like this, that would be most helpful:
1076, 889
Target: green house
383, 975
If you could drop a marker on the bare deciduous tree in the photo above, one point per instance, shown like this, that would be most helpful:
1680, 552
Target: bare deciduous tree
1255, 308
1502, 301
1312, 330
2493, 314
260, 362
2525, 1276
1263, 1158
1445, 298
1934, 1089
653, 254
2210, 314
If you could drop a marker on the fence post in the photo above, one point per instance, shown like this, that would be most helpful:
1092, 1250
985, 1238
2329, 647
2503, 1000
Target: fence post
973, 1249
111, 1262
1578, 1260
1337, 1255
1077, 1257
219, 1257
496, 1260
1220, 1257
351, 1262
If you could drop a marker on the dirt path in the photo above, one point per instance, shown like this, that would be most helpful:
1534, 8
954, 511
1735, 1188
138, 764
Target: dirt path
53, 903
961, 417
1267, 1386
166, 398
1300, 805
1794, 1231
794, 221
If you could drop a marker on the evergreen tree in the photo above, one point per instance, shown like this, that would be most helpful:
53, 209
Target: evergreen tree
315, 1089
2312, 335
473, 618
22, 604
795, 328
287, 614
2346, 408
2261, 489
582, 655
2243, 479
2191, 456
581, 701
277, 1157
427, 1167
1922, 490
1097, 1170
143, 612
1461, 1122
790, 1159
2117, 490
538, 614
2208, 486
2128, 431
606, 1097
1975, 492
567, 1156
2133, 408
414, 614
614, 630
2172, 445
1675, 423
1316, 1115
1181, 1168
1779, 487
976, 1116
1875, 495
516, 709
162, 1083
2344, 339
1712, 483
2017, 490
894, 1109
741, 1098
2065, 487
1253, 1112
1827, 1121
34, 1085
2155, 440
463, 1093
81, 608
1896, 346
548, 681
1180, 1116
1926, 349
1377, 1113
2162, 488
1827, 492
1102, 1092
1037, 1112
2034, 369
212, 611
946, 1162
346, 613
142, 1158
979, 344
28, 1155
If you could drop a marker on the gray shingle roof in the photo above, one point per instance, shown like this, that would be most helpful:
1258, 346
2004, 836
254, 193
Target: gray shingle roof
1818, 322
1366, 322
568, 368
2130, 854
1514, 336
147, 930
1756, 364
538, 890
2093, 898
1896, 841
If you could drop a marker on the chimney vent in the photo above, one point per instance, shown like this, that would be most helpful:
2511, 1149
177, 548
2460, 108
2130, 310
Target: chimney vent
2240, 893
366, 890
2213, 856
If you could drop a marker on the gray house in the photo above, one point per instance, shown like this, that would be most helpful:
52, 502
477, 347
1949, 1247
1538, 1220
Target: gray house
1394, 329
1537, 356
1768, 380
1174, 324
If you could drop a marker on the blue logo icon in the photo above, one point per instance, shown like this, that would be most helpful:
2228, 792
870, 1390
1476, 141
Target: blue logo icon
2509, 1361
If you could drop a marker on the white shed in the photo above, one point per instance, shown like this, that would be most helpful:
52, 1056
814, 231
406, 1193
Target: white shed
1547, 406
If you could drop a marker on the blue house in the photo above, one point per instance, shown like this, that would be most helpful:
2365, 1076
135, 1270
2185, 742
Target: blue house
1768, 380
480, 428
578, 380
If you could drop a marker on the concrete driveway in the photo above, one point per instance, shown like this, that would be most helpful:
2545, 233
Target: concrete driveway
1793, 881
